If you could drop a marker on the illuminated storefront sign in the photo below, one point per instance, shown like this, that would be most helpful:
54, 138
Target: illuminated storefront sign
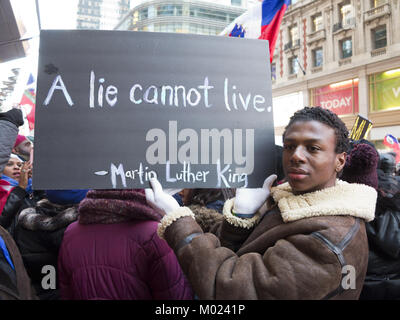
384, 90
340, 97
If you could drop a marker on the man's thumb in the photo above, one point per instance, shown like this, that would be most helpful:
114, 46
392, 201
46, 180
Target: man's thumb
155, 185
269, 181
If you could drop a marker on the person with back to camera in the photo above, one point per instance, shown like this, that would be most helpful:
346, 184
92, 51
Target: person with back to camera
39, 233
113, 252
310, 243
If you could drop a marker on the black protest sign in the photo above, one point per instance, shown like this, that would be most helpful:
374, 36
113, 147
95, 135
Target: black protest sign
361, 128
116, 108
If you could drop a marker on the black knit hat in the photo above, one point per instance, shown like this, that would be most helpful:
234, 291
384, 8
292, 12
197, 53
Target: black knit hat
387, 163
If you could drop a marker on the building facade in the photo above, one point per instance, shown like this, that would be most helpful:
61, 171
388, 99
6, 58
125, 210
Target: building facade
183, 16
101, 14
343, 55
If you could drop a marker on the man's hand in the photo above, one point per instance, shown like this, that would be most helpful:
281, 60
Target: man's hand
248, 201
160, 200
26, 171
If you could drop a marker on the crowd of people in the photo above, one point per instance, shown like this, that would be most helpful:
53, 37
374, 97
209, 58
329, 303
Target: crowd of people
325, 226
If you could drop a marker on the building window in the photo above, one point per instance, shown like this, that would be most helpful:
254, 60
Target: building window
165, 10
377, 3
169, 10
151, 12
346, 48
135, 17
384, 90
203, 29
208, 14
293, 65
273, 71
346, 13
294, 34
236, 2
143, 14
317, 57
379, 37
317, 22
168, 27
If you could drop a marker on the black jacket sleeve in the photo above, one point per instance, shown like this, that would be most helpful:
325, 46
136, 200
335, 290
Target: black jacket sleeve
11, 208
384, 231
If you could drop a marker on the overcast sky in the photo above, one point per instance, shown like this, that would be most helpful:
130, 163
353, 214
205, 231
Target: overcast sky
58, 14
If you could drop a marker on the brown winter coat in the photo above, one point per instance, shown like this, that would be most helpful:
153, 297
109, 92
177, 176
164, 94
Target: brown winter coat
299, 249
23, 289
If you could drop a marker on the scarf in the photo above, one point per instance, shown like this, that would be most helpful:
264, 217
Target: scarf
15, 183
115, 206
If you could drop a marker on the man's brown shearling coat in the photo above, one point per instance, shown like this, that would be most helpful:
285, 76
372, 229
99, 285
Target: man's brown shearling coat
309, 258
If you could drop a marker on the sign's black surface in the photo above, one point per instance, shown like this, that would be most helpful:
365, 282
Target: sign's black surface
115, 108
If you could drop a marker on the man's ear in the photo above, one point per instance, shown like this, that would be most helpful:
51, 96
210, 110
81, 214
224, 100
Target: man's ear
340, 161
14, 150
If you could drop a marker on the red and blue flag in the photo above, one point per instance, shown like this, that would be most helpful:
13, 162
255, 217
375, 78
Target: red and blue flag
262, 21
392, 142
28, 101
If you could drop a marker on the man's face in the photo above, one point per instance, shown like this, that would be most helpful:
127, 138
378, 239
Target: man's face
24, 148
310, 162
13, 169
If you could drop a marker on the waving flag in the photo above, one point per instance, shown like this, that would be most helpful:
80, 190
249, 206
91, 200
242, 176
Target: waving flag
392, 142
28, 101
262, 21
5, 190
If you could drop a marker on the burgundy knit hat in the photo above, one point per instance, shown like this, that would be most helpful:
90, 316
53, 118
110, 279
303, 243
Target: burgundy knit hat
361, 165
20, 138
115, 206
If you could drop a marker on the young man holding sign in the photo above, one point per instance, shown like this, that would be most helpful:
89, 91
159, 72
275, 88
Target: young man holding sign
309, 244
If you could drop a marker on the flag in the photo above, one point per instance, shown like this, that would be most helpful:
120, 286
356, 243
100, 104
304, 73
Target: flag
262, 21
392, 142
28, 101
5, 190
7, 185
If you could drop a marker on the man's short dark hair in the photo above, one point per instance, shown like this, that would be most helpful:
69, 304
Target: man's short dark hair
326, 117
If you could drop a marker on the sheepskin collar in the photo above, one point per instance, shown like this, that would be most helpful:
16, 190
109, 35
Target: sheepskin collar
344, 198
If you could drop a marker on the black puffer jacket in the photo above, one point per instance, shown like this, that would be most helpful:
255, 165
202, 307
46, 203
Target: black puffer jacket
38, 234
17, 200
383, 275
